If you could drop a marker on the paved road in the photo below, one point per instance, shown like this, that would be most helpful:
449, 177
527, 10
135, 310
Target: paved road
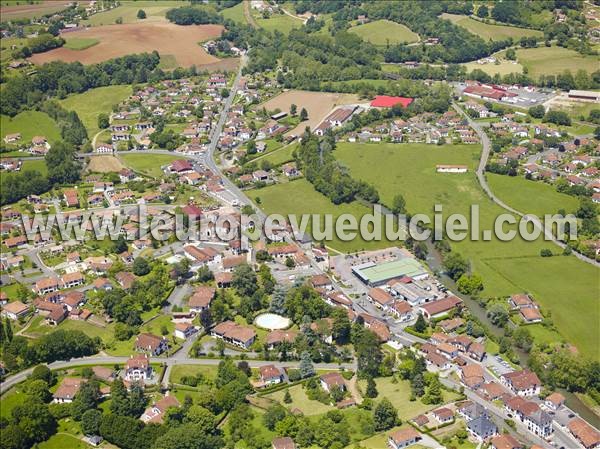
485, 153
177, 296
168, 361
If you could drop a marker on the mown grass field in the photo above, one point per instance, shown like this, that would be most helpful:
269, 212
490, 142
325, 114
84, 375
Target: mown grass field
299, 197
554, 60
77, 43
531, 197
148, 164
506, 267
504, 68
493, 32
301, 401
90, 104
399, 393
127, 11
29, 124
62, 441
382, 32
38, 165
278, 156
235, 13
279, 22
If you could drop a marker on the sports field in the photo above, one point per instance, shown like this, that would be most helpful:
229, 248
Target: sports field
127, 11
317, 104
530, 197
555, 60
76, 43
120, 40
29, 124
299, 197
148, 164
93, 102
383, 32
409, 169
493, 32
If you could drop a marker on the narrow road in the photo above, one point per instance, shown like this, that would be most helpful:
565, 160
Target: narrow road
485, 153
285, 11
11, 381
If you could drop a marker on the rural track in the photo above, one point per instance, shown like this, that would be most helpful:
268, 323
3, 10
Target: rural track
248, 14
485, 153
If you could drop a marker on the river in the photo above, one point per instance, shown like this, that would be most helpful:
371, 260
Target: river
434, 261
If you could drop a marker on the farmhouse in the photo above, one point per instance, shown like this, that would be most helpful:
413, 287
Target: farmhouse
15, 310
201, 299
439, 308
67, 390
403, 438
270, 375
138, 368
278, 336
156, 412
151, 344
330, 380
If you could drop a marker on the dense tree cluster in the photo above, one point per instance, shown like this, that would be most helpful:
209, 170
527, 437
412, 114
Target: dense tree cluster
60, 79
187, 15
38, 44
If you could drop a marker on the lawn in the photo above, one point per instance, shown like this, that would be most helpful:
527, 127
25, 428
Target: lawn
77, 43
61, 441
29, 124
564, 285
399, 394
278, 156
496, 261
179, 371
300, 401
235, 13
543, 335
383, 32
554, 60
148, 164
10, 400
530, 197
90, 104
127, 11
279, 22
299, 197
504, 68
38, 164
493, 32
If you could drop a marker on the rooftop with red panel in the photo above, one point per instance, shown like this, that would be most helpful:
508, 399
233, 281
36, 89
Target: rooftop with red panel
385, 101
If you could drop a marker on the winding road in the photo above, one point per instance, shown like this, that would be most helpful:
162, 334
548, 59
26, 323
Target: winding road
485, 154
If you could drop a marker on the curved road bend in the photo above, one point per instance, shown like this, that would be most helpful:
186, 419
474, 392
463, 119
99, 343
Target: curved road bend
485, 154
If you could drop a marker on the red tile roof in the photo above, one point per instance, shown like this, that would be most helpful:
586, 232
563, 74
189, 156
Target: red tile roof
385, 101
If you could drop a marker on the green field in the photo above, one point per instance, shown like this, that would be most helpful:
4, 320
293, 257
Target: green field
306, 200
93, 102
29, 124
493, 32
62, 441
155, 11
39, 165
279, 156
178, 371
415, 178
279, 22
148, 164
78, 43
530, 197
504, 68
383, 32
10, 400
380, 441
235, 13
554, 60
399, 394
301, 401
